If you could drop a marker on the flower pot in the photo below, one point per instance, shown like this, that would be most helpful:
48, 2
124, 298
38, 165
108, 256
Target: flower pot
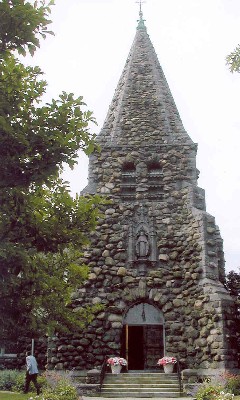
116, 369
168, 368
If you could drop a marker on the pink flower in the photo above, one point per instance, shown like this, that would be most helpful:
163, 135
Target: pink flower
116, 361
166, 360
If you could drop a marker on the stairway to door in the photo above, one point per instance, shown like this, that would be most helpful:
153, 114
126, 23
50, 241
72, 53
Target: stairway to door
141, 384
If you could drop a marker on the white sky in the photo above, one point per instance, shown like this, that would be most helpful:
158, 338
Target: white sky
192, 38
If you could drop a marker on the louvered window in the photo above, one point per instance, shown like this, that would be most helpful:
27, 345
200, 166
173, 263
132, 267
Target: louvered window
128, 185
155, 183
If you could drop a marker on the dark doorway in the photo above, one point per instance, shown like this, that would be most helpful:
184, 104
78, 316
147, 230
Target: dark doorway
135, 347
143, 346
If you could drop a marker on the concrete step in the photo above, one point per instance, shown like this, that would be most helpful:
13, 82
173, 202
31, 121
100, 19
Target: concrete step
140, 390
123, 379
129, 375
141, 384
147, 394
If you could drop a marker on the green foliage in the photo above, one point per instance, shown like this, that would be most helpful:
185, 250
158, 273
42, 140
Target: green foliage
233, 383
60, 386
13, 380
35, 142
63, 390
224, 387
19, 383
40, 260
225, 396
54, 386
13, 396
233, 284
233, 60
208, 392
42, 228
8, 379
47, 219
22, 23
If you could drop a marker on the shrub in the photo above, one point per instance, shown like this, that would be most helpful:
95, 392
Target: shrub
210, 388
59, 387
53, 378
224, 396
14, 380
207, 392
223, 387
19, 383
8, 379
233, 383
62, 391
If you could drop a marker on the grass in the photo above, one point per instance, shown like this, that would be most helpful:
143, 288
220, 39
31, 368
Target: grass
14, 396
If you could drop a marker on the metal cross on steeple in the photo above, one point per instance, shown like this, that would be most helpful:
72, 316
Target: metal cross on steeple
140, 2
141, 20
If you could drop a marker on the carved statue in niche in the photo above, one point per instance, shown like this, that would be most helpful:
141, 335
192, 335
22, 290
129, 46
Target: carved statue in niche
142, 245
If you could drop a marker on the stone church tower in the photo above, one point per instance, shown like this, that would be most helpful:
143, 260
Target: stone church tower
156, 259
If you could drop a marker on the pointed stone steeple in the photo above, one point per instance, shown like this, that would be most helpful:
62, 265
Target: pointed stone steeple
155, 261
143, 107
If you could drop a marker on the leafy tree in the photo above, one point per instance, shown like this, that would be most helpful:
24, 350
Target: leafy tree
36, 141
42, 228
233, 60
39, 260
233, 284
22, 24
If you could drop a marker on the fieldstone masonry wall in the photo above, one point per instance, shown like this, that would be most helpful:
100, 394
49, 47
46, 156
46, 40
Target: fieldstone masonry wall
14, 356
198, 320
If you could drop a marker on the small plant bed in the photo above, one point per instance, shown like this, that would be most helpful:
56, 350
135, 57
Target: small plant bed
226, 386
54, 386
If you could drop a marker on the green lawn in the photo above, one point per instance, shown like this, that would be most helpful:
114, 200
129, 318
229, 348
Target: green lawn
14, 396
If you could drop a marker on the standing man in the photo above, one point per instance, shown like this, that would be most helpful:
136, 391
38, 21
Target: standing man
31, 373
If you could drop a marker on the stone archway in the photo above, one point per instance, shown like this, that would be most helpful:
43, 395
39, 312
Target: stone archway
143, 336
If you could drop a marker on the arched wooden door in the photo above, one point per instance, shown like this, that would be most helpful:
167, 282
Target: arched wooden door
143, 336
